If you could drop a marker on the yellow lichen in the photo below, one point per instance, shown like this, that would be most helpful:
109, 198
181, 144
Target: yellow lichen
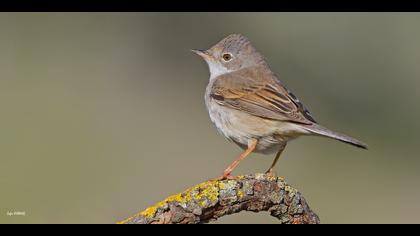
271, 178
149, 212
202, 193
241, 177
280, 178
290, 189
241, 194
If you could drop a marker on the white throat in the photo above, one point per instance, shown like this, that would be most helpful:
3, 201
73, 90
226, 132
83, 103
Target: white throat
217, 69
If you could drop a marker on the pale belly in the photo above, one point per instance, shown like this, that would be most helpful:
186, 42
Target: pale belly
240, 127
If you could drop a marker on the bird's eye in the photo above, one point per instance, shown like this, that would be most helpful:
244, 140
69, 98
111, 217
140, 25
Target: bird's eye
227, 56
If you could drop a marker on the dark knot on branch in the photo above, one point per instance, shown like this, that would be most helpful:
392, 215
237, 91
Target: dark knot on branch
213, 199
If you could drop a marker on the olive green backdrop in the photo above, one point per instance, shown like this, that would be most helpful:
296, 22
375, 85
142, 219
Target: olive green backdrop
102, 114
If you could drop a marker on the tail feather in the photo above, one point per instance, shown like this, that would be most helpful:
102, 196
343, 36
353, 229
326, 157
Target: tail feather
320, 130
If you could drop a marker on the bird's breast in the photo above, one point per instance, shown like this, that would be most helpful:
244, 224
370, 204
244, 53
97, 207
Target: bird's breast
239, 126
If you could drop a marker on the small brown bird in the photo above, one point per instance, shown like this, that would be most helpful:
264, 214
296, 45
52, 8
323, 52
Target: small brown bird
251, 107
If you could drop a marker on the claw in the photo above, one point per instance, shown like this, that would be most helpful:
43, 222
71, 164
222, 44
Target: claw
224, 177
271, 173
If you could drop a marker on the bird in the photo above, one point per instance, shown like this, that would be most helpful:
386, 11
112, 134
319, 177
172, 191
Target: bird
251, 107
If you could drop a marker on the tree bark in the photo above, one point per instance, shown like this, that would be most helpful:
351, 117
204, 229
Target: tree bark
213, 199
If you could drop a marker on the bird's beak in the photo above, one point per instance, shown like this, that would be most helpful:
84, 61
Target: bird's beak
202, 53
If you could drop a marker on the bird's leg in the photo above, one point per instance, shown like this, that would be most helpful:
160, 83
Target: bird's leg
252, 144
270, 171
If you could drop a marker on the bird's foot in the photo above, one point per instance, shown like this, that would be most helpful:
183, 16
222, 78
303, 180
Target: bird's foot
225, 176
271, 173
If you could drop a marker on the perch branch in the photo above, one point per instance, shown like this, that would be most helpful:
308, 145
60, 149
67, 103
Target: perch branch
211, 200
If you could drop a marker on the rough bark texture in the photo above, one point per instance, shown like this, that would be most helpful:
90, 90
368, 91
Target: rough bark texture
211, 200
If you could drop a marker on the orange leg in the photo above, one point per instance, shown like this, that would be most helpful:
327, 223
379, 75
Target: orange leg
270, 171
252, 144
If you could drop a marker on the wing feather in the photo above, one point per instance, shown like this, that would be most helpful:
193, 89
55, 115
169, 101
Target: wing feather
259, 94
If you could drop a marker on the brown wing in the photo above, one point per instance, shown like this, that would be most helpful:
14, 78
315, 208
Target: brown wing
260, 94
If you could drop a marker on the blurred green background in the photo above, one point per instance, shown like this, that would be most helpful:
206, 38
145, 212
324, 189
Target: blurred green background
102, 114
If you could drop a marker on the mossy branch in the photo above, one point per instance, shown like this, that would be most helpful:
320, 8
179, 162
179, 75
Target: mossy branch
211, 200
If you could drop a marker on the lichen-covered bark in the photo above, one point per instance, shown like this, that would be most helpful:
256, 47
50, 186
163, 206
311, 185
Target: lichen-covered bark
211, 200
